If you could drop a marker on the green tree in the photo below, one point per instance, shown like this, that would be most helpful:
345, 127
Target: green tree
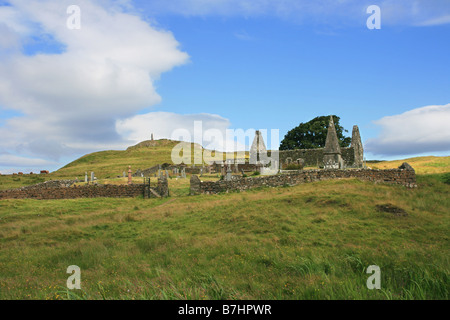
313, 134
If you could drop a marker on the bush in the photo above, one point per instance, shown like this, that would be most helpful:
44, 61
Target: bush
294, 166
256, 173
446, 178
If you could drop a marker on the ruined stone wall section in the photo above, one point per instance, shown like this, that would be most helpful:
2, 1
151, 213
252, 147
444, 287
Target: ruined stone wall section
86, 191
394, 176
314, 157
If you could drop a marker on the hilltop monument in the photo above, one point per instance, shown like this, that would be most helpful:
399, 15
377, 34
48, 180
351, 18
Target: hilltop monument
332, 156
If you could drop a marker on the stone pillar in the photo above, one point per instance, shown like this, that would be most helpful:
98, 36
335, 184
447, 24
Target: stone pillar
86, 178
195, 185
357, 148
92, 176
129, 175
163, 187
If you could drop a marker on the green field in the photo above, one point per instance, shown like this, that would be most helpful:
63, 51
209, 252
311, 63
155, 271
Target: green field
311, 241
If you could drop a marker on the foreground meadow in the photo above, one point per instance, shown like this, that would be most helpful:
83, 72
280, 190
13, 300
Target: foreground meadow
311, 241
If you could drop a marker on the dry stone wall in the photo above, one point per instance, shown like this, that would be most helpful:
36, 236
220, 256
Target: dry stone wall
86, 191
405, 177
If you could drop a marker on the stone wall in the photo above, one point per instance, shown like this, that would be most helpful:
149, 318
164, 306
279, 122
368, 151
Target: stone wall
314, 157
52, 184
147, 172
86, 191
405, 177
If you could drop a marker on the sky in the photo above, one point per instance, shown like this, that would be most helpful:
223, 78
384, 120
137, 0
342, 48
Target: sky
109, 75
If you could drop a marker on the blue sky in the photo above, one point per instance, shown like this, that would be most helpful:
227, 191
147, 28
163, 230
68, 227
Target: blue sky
137, 67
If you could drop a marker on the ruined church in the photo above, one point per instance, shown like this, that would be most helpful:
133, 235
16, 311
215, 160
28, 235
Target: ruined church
332, 156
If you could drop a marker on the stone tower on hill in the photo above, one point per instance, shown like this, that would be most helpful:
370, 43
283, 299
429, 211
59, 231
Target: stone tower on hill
332, 156
357, 147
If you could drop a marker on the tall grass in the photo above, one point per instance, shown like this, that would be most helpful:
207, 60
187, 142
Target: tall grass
311, 241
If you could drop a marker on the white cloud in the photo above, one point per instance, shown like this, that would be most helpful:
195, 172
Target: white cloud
408, 12
70, 101
436, 21
417, 131
16, 161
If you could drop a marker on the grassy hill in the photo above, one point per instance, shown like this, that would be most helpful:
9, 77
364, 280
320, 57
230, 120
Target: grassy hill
108, 164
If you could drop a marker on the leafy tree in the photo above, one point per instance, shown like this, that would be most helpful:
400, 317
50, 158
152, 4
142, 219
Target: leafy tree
313, 134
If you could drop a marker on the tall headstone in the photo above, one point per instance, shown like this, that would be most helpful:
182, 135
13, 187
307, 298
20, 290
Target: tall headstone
332, 152
86, 177
152, 136
357, 147
92, 176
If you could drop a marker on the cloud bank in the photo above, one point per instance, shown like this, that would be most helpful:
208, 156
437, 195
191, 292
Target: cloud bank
68, 98
417, 131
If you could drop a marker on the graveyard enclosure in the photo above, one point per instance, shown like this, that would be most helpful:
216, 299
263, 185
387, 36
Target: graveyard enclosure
404, 175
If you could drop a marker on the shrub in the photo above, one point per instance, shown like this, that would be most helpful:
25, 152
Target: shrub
256, 173
294, 166
446, 178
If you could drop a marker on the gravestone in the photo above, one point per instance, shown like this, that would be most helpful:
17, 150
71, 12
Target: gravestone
129, 175
92, 176
86, 178
228, 175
